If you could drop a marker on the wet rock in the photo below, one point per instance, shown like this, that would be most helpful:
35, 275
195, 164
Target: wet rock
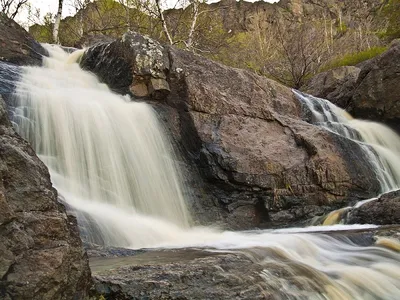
368, 91
376, 96
17, 46
90, 40
41, 254
133, 64
383, 211
249, 158
189, 274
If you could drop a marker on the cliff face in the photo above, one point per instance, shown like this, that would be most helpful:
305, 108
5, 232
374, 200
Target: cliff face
41, 254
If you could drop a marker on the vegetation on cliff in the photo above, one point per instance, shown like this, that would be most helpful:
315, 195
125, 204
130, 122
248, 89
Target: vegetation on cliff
289, 41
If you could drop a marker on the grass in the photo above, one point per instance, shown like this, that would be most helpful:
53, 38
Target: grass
353, 59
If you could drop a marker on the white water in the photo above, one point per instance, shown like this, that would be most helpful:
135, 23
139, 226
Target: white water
379, 143
98, 146
109, 160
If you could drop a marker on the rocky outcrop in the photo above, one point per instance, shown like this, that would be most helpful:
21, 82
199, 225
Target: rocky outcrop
376, 96
41, 254
336, 85
181, 274
17, 46
252, 273
254, 160
383, 211
368, 91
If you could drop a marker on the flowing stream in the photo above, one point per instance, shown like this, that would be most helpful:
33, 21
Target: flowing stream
111, 161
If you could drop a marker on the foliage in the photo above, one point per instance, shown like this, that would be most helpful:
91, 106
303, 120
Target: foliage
391, 12
353, 59
43, 33
12, 7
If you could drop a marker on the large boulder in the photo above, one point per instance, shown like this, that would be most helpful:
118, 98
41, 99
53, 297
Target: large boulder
383, 211
249, 158
336, 85
376, 96
41, 254
17, 46
369, 90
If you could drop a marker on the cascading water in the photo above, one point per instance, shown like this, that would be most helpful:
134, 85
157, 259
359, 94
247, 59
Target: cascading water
111, 162
100, 150
379, 142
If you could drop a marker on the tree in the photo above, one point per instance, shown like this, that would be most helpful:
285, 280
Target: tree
57, 22
300, 52
11, 7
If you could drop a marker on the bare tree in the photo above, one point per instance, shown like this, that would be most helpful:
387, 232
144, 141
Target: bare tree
301, 51
11, 7
160, 13
57, 22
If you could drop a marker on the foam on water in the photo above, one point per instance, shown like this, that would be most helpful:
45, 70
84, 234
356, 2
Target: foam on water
112, 163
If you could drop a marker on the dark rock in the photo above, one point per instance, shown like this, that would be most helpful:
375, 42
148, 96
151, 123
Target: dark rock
186, 274
93, 39
383, 211
253, 273
41, 254
9, 75
248, 157
17, 46
376, 96
335, 85
369, 90
134, 64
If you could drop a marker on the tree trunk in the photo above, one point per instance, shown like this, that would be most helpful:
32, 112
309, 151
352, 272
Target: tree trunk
189, 43
57, 22
163, 23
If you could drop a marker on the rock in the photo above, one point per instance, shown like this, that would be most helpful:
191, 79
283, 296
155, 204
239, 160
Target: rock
367, 91
17, 46
190, 274
248, 156
93, 39
139, 60
383, 211
336, 85
376, 96
252, 273
41, 254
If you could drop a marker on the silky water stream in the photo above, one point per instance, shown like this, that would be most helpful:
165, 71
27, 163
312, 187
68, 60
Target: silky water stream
112, 163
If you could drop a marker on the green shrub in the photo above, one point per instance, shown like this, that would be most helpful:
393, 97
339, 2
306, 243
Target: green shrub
353, 59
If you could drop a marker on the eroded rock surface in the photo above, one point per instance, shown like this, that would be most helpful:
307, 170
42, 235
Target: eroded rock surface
41, 254
336, 85
383, 211
17, 46
368, 91
376, 96
248, 157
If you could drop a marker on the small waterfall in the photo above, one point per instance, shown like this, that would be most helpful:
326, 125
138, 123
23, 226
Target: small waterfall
379, 143
110, 160
101, 149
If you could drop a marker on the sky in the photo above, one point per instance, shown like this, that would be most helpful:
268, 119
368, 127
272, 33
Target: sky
46, 6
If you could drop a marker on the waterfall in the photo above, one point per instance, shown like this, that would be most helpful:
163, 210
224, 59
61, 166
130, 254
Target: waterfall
110, 160
379, 143
100, 148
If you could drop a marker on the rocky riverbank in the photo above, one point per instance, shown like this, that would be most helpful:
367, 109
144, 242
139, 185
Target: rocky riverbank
250, 158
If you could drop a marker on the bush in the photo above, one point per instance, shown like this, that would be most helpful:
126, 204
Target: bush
353, 59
